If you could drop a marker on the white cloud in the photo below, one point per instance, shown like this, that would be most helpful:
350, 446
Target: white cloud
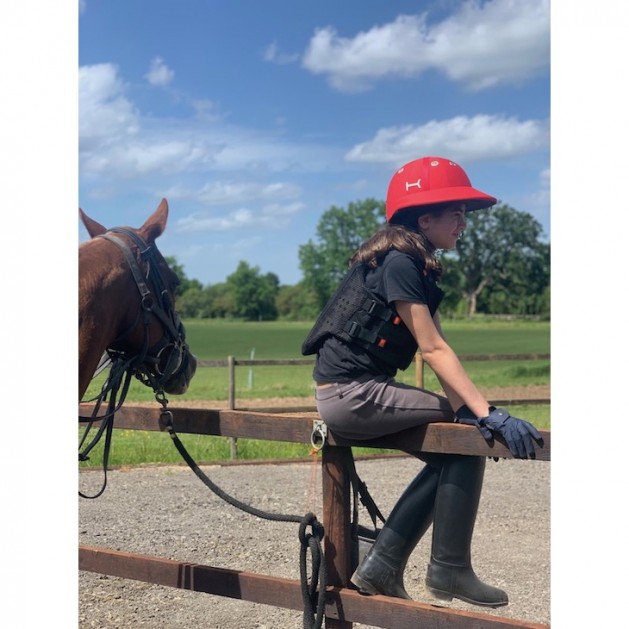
105, 114
230, 192
273, 216
276, 212
225, 192
484, 44
273, 54
462, 138
206, 110
112, 139
159, 74
140, 157
242, 217
116, 141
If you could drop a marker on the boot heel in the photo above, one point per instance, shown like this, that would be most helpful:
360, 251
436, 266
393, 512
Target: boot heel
363, 586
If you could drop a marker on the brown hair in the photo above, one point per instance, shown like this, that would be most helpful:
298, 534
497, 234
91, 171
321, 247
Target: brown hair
401, 238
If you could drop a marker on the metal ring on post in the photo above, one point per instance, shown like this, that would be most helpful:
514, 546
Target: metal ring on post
319, 434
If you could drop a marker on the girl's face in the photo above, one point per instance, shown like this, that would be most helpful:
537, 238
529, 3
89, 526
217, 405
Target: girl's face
445, 229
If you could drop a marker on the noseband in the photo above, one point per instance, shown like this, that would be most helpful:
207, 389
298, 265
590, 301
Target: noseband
157, 365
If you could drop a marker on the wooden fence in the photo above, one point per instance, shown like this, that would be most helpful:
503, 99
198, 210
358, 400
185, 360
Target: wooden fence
231, 363
343, 606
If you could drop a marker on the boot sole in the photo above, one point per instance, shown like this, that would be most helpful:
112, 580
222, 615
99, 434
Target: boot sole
448, 596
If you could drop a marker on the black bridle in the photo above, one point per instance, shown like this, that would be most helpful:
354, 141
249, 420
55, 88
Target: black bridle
154, 366
159, 364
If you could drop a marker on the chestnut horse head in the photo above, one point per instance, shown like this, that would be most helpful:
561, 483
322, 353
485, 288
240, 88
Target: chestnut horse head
126, 306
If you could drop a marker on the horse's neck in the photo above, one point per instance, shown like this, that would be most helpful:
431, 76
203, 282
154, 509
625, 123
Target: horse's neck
103, 310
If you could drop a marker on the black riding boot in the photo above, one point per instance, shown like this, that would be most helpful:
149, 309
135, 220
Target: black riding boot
450, 572
382, 570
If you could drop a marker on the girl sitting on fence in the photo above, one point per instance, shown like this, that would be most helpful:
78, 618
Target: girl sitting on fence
384, 309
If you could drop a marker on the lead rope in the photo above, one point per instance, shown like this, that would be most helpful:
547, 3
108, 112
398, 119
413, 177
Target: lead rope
313, 592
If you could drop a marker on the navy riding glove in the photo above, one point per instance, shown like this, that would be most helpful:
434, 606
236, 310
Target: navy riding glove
517, 433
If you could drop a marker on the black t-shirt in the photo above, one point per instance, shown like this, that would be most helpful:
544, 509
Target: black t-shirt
399, 277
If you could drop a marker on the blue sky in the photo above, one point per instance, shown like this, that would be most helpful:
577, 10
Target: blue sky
252, 122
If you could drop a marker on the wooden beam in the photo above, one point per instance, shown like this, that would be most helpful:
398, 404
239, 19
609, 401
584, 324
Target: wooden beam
336, 489
342, 604
435, 437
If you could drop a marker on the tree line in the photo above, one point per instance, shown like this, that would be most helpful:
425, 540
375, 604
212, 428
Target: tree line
500, 266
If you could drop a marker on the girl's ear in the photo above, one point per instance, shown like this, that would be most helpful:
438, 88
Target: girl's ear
424, 221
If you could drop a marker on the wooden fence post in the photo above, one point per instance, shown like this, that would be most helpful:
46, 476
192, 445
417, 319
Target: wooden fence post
337, 523
419, 370
231, 403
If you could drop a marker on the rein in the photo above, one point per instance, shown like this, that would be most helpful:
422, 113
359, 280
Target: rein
313, 589
167, 357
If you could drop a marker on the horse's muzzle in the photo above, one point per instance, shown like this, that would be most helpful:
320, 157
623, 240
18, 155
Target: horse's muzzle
178, 383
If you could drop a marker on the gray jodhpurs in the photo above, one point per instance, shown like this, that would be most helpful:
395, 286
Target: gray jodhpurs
372, 407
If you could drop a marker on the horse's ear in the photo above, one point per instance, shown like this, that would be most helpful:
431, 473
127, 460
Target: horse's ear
156, 223
93, 228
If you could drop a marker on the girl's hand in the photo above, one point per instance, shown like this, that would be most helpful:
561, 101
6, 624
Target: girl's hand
517, 433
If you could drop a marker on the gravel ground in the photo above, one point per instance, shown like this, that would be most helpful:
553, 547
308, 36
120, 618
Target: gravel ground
167, 512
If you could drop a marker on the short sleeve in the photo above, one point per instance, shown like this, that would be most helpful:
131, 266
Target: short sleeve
403, 280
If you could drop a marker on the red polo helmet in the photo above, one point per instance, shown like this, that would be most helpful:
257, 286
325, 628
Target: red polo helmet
431, 181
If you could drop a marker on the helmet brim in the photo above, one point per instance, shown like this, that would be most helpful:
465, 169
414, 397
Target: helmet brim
473, 198
434, 201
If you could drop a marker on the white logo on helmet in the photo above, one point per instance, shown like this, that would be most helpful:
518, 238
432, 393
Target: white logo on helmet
413, 184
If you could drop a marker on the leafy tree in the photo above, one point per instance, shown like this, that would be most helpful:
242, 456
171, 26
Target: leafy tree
195, 302
297, 303
254, 294
339, 233
500, 264
222, 301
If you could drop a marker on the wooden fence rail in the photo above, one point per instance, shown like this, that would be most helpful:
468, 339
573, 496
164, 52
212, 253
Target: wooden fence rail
343, 605
232, 362
310, 361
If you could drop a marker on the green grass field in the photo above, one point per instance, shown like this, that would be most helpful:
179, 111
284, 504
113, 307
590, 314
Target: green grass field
216, 340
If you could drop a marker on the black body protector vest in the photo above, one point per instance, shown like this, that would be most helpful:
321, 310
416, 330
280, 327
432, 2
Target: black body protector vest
355, 314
